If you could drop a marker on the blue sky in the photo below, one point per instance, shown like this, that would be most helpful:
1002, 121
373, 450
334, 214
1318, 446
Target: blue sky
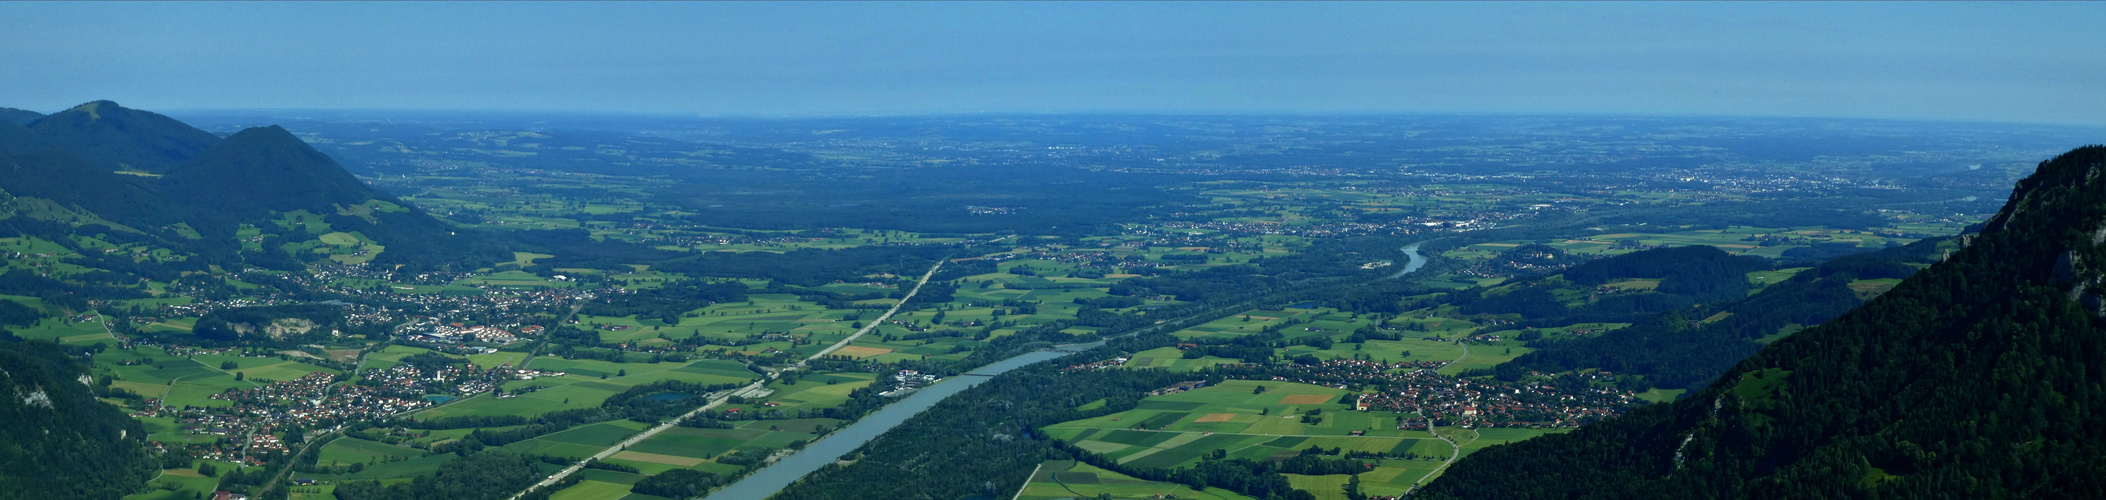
2018, 62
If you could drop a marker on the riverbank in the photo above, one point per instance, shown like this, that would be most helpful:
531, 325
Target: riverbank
773, 478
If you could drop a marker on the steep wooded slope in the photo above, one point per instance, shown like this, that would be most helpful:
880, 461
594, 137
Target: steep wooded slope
123, 138
100, 163
262, 170
56, 439
1977, 378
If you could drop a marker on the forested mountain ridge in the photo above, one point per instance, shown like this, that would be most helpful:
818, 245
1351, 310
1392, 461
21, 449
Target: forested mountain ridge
56, 439
1676, 278
18, 117
69, 183
135, 171
123, 138
1687, 348
276, 172
1972, 378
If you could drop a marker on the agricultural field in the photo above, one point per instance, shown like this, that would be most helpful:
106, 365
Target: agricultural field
594, 489
1481, 438
1067, 479
65, 330
518, 280
762, 314
348, 450
1172, 359
581, 441
1390, 477
813, 391
185, 483
191, 380
1424, 338
699, 449
1771, 243
388, 357
586, 383
1174, 430
637, 234
1302, 321
1485, 356
874, 347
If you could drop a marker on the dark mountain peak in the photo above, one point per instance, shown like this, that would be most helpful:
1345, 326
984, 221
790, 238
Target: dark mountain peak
122, 138
75, 159
264, 169
267, 136
14, 116
94, 108
2052, 182
96, 111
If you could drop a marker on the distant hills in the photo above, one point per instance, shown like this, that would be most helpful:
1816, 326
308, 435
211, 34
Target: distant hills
1978, 377
131, 171
18, 116
1687, 347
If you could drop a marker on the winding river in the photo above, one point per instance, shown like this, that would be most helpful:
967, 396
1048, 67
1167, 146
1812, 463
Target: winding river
773, 478
1417, 261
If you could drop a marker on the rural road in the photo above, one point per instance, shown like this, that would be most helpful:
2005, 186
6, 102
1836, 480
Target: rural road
881, 319
287, 471
1444, 465
1458, 359
723, 396
1451, 442
1027, 482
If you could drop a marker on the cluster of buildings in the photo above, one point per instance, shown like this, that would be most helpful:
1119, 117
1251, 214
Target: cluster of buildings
253, 416
1086, 258
695, 237
980, 210
1178, 387
456, 333
439, 317
908, 381
1445, 400
462, 379
911, 379
1100, 365
1728, 179
507, 370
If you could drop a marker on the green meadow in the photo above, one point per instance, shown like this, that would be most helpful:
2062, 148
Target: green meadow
1174, 430
1067, 479
586, 383
698, 449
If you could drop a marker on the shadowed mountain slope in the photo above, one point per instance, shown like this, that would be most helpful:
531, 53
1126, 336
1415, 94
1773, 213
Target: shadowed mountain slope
103, 164
18, 117
122, 138
264, 169
56, 439
1976, 378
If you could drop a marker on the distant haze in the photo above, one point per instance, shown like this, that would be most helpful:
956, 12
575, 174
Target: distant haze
2018, 62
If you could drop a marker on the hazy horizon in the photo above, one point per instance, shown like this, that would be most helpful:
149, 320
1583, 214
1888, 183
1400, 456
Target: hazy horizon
2029, 63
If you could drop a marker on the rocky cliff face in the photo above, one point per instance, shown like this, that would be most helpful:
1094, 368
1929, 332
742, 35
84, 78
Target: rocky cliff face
56, 439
